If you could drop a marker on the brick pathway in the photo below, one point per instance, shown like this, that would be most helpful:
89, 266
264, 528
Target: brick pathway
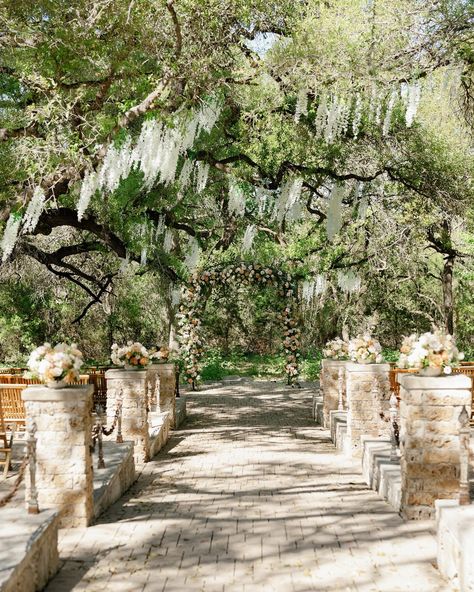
250, 496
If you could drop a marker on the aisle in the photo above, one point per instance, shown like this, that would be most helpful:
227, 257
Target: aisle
250, 496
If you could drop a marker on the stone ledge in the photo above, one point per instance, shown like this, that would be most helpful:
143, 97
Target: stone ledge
159, 430
117, 477
71, 394
28, 549
380, 473
181, 412
355, 368
319, 411
455, 534
127, 374
336, 417
341, 440
443, 382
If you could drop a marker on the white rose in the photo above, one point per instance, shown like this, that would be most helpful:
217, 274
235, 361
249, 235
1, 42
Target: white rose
447, 369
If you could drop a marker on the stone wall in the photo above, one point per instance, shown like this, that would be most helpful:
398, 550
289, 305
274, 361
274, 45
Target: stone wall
117, 477
28, 549
162, 380
365, 405
64, 465
455, 537
130, 386
330, 386
429, 440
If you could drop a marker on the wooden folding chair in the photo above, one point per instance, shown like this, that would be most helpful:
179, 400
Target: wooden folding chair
6, 443
13, 406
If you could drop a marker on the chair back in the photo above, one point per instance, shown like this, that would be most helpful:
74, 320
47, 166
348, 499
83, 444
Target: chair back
12, 403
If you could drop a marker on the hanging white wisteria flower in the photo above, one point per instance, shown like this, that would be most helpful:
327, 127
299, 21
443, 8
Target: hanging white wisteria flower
261, 196
387, 122
209, 114
289, 195
88, 188
321, 115
348, 281
185, 174
9, 236
321, 284
357, 117
295, 213
194, 252
175, 294
308, 290
330, 132
168, 241
34, 210
237, 199
414, 95
160, 226
301, 104
156, 154
249, 236
125, 262
334, 213
201, 173
144, 256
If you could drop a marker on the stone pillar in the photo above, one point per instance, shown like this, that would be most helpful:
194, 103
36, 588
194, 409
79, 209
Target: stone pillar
429, 440
164, 377
368, 395
63, 419
329, 386
131, 387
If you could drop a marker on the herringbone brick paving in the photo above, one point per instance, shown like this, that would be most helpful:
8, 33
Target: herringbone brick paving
250, 496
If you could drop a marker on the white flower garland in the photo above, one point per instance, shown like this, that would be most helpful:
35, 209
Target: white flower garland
34, 210
10, 236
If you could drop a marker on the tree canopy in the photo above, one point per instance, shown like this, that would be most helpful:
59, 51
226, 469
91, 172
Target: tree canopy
140, 141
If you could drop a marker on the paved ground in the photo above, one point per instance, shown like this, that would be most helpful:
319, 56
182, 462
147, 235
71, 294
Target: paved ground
250, 496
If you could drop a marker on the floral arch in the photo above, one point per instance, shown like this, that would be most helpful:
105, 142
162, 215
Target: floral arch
193, 304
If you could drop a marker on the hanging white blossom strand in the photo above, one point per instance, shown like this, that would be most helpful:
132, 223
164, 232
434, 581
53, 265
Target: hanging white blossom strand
237, 199
194, 252
9, 237
414, 95
202, 173
334, 213
301, 104
348, 281
34, 210
249, 236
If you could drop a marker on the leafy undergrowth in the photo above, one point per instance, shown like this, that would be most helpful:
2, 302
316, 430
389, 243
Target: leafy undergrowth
216, 365
270, 366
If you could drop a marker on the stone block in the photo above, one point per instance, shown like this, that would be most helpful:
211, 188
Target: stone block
163, 377
28, 549
455, 538
429, 440
130, 386
330, 387
63, 458
365, 406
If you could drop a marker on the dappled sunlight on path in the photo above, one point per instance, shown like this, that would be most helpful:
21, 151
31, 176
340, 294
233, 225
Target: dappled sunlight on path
250, 496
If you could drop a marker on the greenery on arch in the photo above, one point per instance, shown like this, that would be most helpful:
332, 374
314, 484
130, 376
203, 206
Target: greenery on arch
196, 294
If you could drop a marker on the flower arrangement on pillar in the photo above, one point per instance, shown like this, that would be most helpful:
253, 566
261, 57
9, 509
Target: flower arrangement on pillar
160, 355
365, 349
133, 356
336, 349
432, 354
56, 366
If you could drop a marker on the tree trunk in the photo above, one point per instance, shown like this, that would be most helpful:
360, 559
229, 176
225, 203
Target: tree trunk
448, 301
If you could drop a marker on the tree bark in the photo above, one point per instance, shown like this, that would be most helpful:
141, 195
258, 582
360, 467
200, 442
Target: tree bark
448, 300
